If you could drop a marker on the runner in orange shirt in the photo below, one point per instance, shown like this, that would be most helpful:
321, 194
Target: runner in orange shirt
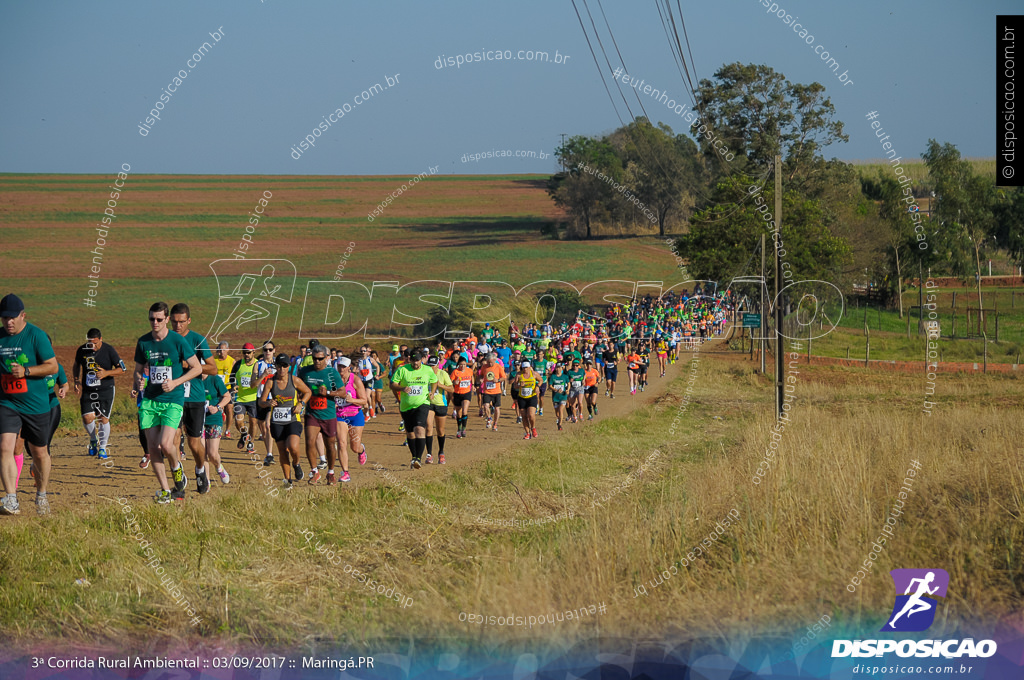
590, 380
492, 387
633, 368
462, 381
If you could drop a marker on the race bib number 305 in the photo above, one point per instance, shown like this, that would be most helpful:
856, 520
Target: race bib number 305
158, 375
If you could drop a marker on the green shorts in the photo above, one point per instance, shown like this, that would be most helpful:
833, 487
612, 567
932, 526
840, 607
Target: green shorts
378, 384
159, 413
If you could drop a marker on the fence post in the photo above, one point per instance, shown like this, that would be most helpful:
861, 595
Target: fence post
953, 336
984, 366
910, 313
867, 347
997, 326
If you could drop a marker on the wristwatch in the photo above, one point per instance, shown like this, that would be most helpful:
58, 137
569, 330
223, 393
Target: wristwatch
27, 372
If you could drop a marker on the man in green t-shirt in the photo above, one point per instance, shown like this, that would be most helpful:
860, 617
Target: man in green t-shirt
163, 398
194, 407
321, 419
415, 384
26, 359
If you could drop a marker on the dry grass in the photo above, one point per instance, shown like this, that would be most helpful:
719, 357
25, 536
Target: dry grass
800, 537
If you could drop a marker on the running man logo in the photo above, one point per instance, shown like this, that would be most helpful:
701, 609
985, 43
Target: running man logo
250, 294
915, 611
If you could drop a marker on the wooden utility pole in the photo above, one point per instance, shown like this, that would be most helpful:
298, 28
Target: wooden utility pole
763, 309
778, 303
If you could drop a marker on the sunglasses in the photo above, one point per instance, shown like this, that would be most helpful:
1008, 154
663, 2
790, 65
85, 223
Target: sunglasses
246, 351
319, 358
153, 318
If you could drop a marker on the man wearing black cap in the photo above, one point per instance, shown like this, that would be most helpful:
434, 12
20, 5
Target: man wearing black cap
26, 358
96, 364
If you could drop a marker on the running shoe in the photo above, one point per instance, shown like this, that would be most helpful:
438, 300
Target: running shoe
595, 409
298, 471
144, 463
346, 477
559, 425
440, 459
519, 420
178, 495
180, 480
322, 465
269, 460
163, 497
103, 455
540, 412
415, 465
590, 417
330, 479
93, 447
527, 436
382, 409
243, 435
458, 435
227, 434
606, 393
495, 428
489, 423
362, 456
42, 504
202, 482
314, 476
534, 433
401, 427
224, 476
9, 505
287, 484
611, 396
249, 446
430, 457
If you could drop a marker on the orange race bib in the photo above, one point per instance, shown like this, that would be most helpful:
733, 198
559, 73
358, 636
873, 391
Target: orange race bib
318, 403
12, 385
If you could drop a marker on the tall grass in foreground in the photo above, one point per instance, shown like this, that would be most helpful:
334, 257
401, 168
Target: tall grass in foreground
801, 534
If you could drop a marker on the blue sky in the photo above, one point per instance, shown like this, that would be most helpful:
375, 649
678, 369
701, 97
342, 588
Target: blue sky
78, 78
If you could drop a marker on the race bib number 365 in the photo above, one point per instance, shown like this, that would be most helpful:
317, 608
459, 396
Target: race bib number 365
158, 375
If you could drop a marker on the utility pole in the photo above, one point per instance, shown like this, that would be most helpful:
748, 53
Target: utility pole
778, 303
764, 293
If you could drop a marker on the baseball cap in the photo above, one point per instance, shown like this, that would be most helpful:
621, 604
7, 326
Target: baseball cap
11, 305
432, 361
282, 359
248, 345
344, 361
525, 364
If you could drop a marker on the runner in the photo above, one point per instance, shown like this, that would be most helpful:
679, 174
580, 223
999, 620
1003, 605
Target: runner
351, 417
415, 383
662, 348
590, 380
194, 406
26, 359
57, 386
559, 383
286, 396
160, 412
364, 371
575, 405
244, 383
438, 414
96, 364
378, 384
462, 393
492, 387
525, 384
137, 395
265, 369
645, 362
224, 363
633, 368
217, 400
324, 382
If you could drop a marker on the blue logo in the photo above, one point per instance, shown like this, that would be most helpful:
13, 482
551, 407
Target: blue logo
914, 610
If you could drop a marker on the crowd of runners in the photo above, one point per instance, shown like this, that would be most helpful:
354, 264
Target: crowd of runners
311, 408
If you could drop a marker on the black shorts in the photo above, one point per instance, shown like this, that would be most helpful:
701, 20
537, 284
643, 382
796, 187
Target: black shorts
35, 428
528, 402
439, 411
261, 413
643, 369
98, 400
493, 399
250, 407
611, 373
193, 417
54, 422
415, 417
281, 431
460, 399
591, 390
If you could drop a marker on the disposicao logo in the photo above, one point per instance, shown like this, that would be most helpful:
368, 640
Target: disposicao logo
914, 611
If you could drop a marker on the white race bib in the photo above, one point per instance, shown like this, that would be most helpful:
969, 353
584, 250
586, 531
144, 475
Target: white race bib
282, 414
463, 384
340, 402
91, 380
490, 384
526, 392
246, 380
158, 375
415, 390
188, 388
577, 384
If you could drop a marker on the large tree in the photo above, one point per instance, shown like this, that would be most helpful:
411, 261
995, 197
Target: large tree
580, 190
